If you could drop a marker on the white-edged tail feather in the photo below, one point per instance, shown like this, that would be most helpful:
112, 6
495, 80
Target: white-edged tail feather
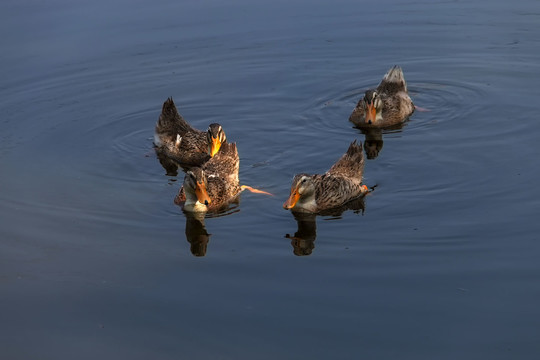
394, 79
395, 74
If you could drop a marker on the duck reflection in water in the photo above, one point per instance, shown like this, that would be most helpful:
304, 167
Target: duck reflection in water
303, 240
196, 233
373, 143
170, 166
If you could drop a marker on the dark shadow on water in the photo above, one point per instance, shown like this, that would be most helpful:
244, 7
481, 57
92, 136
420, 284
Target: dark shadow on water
196, 233
373, 141
303, 240
170, 166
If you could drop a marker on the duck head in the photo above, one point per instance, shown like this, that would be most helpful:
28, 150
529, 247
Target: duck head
372, 106
215, 136
302, 195
195, 185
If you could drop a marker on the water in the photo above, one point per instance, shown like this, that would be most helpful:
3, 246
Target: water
440, 261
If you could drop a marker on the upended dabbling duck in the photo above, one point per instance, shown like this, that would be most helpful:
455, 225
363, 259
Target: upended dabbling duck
178, 140
214, 185
339, 185
389, 104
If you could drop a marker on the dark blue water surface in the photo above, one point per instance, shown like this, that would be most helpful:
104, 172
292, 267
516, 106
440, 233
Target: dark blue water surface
441, 261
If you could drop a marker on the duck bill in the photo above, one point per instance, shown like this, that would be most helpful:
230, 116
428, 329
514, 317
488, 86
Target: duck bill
214, 147
292, 200
202, 194
371, 114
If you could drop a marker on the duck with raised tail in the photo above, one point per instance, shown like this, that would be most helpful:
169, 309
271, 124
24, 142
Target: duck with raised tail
389, 104
339, 185
179, 141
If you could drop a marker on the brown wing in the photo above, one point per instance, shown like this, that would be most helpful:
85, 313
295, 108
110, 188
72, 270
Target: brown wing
334, 191
222, 172
225, 163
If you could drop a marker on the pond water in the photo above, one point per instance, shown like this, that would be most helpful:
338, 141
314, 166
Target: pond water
439, 262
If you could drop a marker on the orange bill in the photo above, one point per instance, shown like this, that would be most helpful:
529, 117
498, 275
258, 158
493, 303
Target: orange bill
371, 114
253, 190
292, 200
214, 147
202, 194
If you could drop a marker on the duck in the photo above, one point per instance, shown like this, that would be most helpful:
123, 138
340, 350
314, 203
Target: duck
338, 186
214, 185
176, 139
387, 105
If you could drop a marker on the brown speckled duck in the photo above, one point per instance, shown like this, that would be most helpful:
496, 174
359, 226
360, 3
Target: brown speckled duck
339, 185
176, 139
214, 185
389, 104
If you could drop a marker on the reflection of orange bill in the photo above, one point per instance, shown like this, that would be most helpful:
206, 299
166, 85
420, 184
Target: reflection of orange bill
253, 190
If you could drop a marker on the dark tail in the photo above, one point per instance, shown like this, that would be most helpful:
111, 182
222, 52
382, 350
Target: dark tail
171, 121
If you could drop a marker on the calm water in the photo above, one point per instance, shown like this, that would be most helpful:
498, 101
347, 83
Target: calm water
439, 262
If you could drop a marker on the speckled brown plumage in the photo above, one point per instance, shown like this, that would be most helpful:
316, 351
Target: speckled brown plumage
339, 185
221, 176
176, 139
395, 105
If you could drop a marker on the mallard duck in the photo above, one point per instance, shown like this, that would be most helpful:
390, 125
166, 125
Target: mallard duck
178, 140
214, 185
387, 105
339, 185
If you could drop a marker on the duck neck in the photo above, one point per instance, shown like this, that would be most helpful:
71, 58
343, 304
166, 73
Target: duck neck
306, 203
192, 203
